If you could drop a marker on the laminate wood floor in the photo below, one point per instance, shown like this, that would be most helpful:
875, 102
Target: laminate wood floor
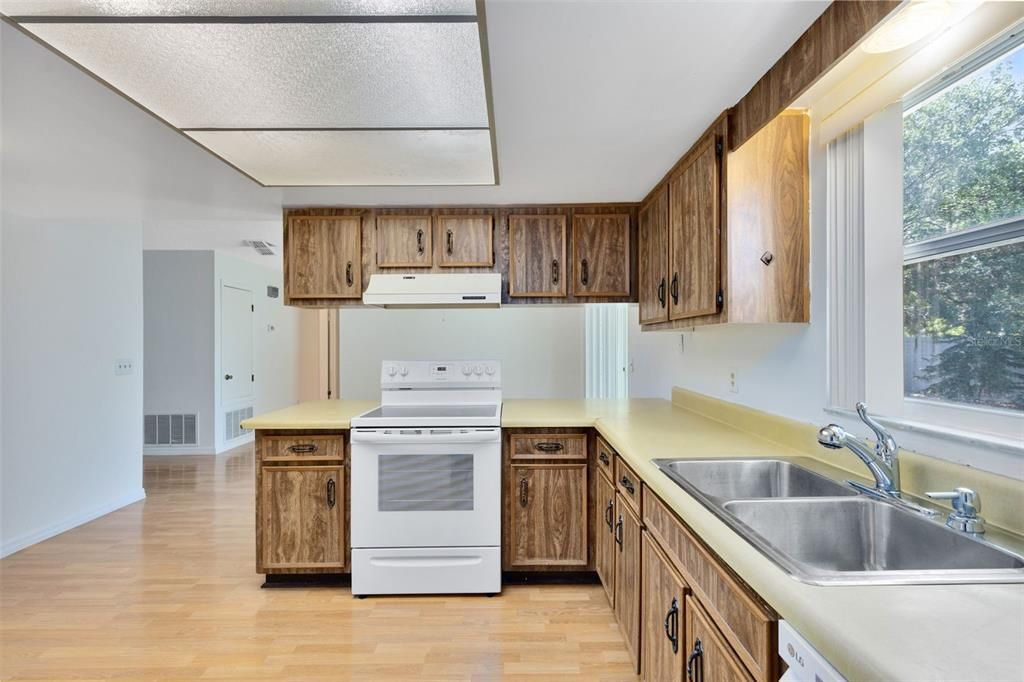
166, 589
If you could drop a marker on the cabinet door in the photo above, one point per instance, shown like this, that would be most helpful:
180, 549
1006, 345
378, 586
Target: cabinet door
536, 255
323, 257
604, 534
627, 577
600, 255
548, 524
465, 241
662, 620
694, 203
653, 257
302, 517
403, 241
708, 656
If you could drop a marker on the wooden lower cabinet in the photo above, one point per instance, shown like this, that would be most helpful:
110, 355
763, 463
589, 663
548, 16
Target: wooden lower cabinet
662, 613
627, 577
708, 656
547, 525
603, 519
301, 517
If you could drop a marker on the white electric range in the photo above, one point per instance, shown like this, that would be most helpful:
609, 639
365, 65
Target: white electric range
426, 481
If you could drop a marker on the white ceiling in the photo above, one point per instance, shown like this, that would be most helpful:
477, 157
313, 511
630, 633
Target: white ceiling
594, 100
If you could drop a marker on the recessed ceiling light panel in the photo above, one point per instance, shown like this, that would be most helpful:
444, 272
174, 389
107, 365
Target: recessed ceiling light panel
227, 8
365, 157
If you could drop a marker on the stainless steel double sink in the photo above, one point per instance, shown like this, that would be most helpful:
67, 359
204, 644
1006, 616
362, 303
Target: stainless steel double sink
826, 533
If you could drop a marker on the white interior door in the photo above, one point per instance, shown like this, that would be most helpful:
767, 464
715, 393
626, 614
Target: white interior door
235, 343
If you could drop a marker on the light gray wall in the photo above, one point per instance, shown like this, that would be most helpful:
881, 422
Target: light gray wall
540, 347
179, 319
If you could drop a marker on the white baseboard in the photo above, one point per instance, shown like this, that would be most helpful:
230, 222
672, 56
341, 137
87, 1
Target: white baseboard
27, 540
161, 451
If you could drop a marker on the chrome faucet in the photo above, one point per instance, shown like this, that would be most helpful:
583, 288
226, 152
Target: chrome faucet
883, 461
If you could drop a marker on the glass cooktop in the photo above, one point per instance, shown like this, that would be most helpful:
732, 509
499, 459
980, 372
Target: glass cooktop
431, 415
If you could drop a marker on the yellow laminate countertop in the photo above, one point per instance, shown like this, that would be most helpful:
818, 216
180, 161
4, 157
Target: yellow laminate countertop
890, 632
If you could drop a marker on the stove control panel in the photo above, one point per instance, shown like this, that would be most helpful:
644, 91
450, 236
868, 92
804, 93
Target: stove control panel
418, 373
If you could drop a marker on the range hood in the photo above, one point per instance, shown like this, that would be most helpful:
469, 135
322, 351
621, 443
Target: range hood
475, 290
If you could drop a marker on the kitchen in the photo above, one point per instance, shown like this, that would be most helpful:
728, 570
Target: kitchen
617, 382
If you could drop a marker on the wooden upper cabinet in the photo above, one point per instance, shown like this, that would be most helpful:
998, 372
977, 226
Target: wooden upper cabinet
537, 255
465, 241
653, 259
600, 255
301, 517
323, 257
404, 241
662, 625
548, 520
694, 234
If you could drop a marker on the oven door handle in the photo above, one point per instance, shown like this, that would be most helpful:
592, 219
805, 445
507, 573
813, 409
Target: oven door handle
427, 436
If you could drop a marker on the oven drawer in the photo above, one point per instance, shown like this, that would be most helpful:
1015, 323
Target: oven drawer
525, 446
311, 448
434, 570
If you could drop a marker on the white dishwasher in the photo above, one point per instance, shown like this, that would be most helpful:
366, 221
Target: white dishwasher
804, 661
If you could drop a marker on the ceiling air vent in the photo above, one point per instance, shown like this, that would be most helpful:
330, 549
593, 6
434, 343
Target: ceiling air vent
262, 248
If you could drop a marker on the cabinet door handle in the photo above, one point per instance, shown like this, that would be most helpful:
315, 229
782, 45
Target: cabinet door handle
331, 494
672, 625
302, 448
554, 271
584, 272
549, 447
618, 532
419, 242
695, 663
524, 492
628, 485
451, 242
609, 513
661, 293
674, 289
603, 456
348, 273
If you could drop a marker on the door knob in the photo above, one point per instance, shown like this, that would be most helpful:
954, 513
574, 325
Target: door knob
229, 377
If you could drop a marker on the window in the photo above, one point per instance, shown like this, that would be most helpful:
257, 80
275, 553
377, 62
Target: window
963, 234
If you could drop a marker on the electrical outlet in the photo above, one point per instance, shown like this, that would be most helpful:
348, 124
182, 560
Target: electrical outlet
123, 366
734, 384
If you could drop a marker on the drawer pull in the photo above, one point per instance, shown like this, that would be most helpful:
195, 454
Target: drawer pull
524, 492
628, 485
695, 663
549, 447
331, 494
609, 513
603, 456
302, 448
618, 533
672, 625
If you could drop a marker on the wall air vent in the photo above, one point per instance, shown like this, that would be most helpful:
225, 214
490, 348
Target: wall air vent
170, 430
263, 248
233, 423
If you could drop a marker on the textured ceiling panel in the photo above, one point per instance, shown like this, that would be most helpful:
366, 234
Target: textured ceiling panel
393, 157
287, 75
218, 8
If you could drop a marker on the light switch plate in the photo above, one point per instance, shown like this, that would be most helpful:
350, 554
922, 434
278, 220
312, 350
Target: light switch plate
734, 385
124, 366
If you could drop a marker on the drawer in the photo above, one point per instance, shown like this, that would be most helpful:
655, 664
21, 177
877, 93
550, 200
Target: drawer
305, 448
605, 458
548, 446
747, 624
628, 484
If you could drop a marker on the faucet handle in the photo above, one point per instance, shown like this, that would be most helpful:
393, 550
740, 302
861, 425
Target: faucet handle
966, 505
885, 444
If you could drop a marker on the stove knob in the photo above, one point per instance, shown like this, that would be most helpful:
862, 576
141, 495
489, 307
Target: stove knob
490, 370
404, 371
478, 370
392, 371
467, 370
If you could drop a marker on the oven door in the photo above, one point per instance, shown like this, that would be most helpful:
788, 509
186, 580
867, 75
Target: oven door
426, 487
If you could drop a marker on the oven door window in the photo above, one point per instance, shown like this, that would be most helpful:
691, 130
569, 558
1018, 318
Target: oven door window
425, 483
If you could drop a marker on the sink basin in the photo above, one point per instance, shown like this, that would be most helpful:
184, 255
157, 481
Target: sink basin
862, 540
735, 479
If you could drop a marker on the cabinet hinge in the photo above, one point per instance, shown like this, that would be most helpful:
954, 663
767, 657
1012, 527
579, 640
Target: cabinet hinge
718, 147
719, 299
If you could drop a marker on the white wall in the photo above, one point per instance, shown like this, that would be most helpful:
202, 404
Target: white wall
540, 347
179, 320
276, 343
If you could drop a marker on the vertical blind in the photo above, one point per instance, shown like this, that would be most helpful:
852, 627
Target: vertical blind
607, 352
